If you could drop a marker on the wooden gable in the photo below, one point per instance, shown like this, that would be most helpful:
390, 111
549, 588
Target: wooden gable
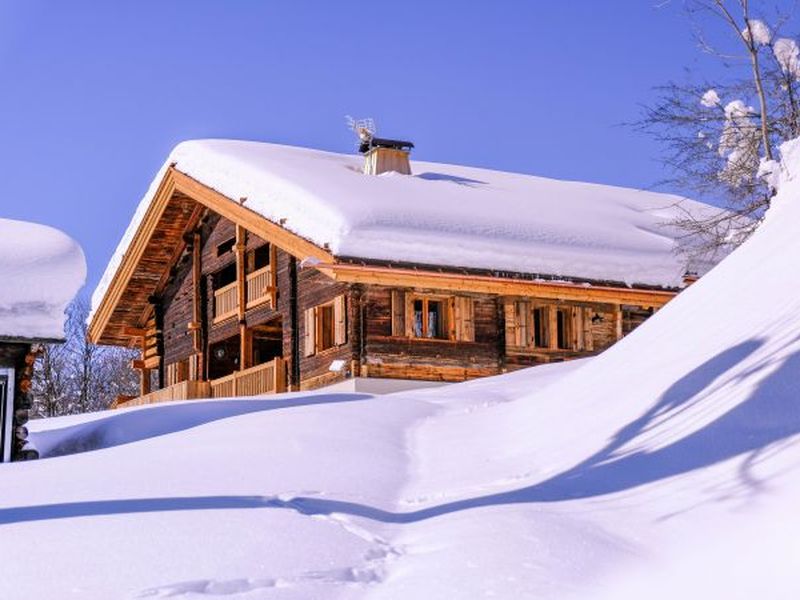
159, 242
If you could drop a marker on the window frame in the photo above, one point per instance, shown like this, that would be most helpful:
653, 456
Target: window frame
314, 323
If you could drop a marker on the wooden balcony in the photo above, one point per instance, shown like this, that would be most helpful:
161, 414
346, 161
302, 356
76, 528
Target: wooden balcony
185, 390
258, 287
226, 303
267, 378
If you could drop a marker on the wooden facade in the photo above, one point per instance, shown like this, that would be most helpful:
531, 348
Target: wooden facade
221, 301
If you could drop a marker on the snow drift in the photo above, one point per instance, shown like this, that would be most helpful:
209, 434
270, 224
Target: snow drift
667, 467
41, 270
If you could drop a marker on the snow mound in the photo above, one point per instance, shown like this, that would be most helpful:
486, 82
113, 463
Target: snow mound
444, 214
41, 270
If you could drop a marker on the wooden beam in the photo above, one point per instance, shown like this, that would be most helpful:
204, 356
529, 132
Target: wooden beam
197, 334
234, 211
127, 266
134, 331
560, 291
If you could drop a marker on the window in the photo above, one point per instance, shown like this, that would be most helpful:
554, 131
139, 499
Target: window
540, 337
325, 326
432, 317
429, 319
257, 259
226, 246
562, 329
225, 276
548, 327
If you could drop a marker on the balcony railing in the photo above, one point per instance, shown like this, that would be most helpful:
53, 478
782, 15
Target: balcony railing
259, 286
267, 378
185, 390
258, 290
226, 302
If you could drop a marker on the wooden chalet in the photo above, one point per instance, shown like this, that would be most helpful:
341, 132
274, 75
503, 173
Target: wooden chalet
225, 299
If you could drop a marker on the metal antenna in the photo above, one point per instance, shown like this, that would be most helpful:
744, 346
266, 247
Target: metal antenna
363, 128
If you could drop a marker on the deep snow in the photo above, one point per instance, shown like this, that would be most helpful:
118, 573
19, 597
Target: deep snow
444, 214
41, 270
667, 467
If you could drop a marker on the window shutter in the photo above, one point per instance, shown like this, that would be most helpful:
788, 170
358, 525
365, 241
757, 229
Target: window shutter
588, 342
523, 317
408, 300
510, 310
310, 340
339, 320
464, 311
398, 313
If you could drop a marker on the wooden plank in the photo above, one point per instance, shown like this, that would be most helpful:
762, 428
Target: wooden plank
134, 331
552, 327
398, 313
241, 277
511, 322
310, 332
618, 322
339, 320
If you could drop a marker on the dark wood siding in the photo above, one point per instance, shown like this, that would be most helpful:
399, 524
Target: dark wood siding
402, 357
313, 289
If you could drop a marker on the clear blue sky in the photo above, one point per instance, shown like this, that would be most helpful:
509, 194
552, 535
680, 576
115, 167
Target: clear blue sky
95, 94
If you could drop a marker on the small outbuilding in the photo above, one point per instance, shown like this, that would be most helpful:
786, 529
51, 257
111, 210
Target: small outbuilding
41, 270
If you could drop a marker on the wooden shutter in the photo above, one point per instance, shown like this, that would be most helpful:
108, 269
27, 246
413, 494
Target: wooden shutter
409, 302
510, 310
339, 320
398, 313
464, 314
588, 342
522, 311
310, 340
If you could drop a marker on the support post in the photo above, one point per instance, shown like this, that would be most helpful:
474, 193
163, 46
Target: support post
196, 373
245, 353
144, 374
618, 321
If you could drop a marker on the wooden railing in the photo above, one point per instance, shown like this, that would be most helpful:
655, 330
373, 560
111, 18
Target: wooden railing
226, 302
185, 390
259, 286
267, 378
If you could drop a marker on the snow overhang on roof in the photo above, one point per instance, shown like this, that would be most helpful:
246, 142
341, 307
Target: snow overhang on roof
445, 215
41, 270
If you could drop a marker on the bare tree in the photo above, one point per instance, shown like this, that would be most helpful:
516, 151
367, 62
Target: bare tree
78, 376
716, 144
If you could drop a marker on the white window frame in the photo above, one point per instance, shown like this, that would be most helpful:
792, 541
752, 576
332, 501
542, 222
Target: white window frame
7, 414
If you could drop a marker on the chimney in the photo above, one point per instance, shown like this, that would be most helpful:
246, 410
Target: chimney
689, 278
382, 155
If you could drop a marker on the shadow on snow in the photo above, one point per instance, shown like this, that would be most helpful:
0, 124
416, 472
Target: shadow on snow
153, 421
771, 414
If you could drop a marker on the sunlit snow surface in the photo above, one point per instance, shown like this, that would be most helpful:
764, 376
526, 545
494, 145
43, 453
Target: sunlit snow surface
667, 467
41, 270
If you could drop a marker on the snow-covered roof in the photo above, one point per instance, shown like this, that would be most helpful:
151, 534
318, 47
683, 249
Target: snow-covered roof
41, 270
443, 214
